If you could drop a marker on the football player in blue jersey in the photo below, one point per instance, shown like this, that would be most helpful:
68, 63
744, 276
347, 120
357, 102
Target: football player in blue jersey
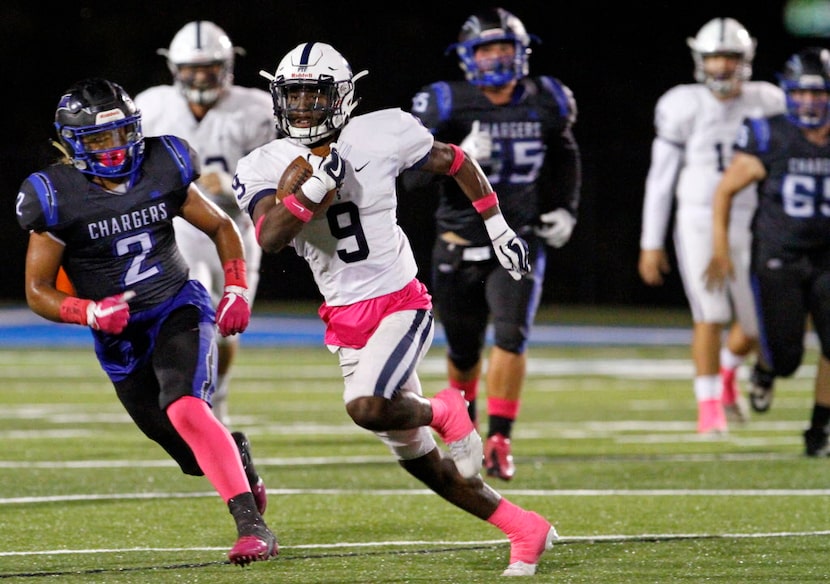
788, 156
519, 129
105, 213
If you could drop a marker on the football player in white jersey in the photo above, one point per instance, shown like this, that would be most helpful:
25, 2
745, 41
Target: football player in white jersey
378, 315
222, 122
696, 126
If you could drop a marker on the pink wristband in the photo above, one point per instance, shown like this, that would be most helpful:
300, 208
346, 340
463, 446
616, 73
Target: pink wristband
457, 160
486, 202
258, 227
297, 209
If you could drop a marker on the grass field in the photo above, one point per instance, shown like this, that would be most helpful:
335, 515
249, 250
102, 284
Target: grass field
605, 448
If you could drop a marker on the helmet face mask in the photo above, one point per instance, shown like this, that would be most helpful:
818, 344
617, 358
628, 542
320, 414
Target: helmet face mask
728, 38
805, 81
489, 27
201, 60
100, 128
313, 93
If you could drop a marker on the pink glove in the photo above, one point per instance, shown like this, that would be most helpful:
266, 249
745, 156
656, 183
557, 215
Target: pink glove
109, 315
234, 311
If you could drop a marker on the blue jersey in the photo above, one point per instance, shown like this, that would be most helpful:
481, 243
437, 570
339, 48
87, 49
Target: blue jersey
793, 214
116, 242
535, 164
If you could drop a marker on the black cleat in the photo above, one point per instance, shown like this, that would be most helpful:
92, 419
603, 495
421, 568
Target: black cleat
760, 389
816, 442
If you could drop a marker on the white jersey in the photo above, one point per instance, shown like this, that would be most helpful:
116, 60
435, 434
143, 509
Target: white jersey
357, 251
239, 122
695, 132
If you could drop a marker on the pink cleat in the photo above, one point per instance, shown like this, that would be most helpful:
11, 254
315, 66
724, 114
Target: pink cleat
734, 404
458, 433
711, 418
498, 459
254, 547
527, 548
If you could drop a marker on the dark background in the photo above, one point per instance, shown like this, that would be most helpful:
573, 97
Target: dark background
617, 61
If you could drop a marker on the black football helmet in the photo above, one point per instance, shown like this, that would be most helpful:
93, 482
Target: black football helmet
807, 70
490, 26
100, 128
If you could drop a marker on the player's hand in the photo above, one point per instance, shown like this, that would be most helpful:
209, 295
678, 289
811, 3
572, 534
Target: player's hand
511, 250
329, 173
556, 227
234, 311
111, 314
478, 144
720, 269
653, 265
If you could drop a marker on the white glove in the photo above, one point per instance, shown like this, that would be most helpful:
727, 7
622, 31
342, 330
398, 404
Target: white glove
511, 250
478, 144
328, 175
556, 227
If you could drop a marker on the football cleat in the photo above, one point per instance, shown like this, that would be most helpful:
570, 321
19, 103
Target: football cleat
816, 442
760, 389
526, 549
254, 480
498, 459
257, 546
459, 433
711, 418
734, 403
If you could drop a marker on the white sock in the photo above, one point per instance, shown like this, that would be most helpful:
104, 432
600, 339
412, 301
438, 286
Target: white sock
707, 387
729, 360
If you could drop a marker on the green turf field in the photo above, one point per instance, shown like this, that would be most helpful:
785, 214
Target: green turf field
606, 449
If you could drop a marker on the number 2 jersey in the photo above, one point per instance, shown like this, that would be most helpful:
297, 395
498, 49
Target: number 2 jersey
793, 215
116, 241
357, 251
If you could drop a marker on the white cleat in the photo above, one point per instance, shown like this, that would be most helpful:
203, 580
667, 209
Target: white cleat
468, 454
524, 569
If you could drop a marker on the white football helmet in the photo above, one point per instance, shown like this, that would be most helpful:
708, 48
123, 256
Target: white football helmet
201, 42
723, 36
313, 92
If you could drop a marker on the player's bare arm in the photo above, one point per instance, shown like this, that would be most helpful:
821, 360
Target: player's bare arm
741, 172
43, 258
469, 176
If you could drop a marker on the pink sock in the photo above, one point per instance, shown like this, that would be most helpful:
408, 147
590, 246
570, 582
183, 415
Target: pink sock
504, 408
507, 517
468, 388
212, 445
451, 428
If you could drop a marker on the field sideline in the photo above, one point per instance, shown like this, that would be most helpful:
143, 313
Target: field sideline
605, 448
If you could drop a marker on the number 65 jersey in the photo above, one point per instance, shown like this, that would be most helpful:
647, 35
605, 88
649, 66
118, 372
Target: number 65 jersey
116, 241
357, 251
793, 215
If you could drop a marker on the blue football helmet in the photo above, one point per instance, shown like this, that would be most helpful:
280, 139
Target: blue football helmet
807, 70
99, 127
490, 26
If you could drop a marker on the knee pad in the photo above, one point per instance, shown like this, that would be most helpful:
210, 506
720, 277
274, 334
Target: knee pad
510, 337
408, 444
